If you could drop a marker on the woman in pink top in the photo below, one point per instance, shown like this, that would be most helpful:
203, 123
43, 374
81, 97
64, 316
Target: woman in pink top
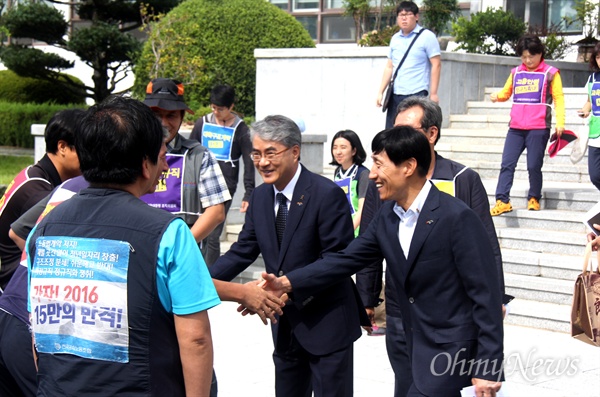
534, 85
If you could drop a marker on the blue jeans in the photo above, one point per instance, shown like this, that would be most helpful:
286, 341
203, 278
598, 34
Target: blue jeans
516, 141
594, 165
393, 106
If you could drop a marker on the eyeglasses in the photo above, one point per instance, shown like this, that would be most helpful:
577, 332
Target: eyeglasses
406, 15
269, 156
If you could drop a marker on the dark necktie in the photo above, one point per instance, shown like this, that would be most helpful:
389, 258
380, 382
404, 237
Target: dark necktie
280, 220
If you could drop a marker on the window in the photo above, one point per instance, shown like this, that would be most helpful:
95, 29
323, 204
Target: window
283, 4
328, 4
306, 5
545, 13
338, 29
310, 24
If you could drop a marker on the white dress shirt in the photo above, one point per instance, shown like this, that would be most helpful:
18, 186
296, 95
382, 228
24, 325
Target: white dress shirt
409, 218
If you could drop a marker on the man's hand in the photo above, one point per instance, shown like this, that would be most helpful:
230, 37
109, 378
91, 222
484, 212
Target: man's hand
256, 300
434, 98
244, 206
276, 285
379, 99
371, 314
485, 388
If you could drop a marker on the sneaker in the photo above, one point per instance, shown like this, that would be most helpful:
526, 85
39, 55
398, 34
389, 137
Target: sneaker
501, 207
533, 204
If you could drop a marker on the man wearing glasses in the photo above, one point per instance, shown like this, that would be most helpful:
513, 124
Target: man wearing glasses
293, 219
420, 71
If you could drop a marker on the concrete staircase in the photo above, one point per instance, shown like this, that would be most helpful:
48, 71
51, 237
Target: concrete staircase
543, 250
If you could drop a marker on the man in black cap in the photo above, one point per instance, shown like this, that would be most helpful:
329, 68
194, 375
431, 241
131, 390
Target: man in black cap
194, 187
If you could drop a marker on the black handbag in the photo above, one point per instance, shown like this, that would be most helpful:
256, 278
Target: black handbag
390, 87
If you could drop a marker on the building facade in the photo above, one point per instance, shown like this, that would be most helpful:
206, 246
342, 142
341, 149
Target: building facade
325, 22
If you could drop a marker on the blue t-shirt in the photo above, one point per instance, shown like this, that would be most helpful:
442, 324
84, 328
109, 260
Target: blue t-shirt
184, 284
415, 73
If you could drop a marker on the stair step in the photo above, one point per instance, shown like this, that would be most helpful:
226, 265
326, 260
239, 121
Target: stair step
478, 121
497, 121
537, 288
563, 196
490, 137
527, 263
486, 160
566, 221
573, 95
546, 241
545, 315
551, 172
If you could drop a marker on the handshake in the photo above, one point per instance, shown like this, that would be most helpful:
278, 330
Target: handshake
265, 297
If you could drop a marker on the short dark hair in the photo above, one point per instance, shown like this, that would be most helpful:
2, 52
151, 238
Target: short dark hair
62, 126
531, 43
594, 67
407, 6
432, 113
402, 143
222, 95
360, 156
115, 137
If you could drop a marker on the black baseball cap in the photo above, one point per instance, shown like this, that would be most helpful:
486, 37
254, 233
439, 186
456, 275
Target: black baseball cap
166, 94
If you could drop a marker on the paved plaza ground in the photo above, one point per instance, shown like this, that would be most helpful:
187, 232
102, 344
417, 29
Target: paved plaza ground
538, 363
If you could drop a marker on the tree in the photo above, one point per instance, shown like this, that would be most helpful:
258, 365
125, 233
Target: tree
437, 14
370, 14
359, 10
586, 16
207, 42
493, 31
104, 43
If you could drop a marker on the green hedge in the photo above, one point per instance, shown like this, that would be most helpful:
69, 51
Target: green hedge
209, 42
14, 88
16, 120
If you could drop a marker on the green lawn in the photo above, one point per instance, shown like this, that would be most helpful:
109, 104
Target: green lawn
11, 165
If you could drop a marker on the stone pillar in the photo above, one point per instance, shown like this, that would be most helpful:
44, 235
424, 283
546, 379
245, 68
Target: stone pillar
37, 130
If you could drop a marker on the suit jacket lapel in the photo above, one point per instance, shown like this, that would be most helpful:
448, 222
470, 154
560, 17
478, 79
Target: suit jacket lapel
297, 206
425, 224
391, 230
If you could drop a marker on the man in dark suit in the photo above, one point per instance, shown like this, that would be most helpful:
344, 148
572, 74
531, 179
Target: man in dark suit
313, 339
440, 272
453, 178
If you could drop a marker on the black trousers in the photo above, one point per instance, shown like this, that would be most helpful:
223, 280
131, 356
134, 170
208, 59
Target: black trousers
18, 376
395, 100
299, 373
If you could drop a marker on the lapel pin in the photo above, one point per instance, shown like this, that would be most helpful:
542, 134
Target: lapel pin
300, 202
429, 222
